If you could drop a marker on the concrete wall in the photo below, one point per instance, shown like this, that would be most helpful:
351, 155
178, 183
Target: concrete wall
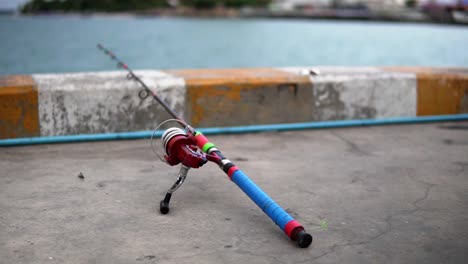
100, 102
103, 102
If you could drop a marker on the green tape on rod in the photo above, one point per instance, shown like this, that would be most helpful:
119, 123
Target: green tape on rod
207, 146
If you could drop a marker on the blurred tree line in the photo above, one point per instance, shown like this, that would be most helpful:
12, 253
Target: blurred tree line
131, 5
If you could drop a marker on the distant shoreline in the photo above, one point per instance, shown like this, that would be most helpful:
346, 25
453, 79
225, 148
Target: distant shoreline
402, 15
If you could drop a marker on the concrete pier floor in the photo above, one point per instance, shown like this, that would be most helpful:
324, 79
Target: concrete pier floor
390, 194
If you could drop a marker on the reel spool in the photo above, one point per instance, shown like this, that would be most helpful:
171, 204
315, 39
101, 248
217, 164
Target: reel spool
169, 134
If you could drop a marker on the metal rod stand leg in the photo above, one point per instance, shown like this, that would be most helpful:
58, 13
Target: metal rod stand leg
164, 204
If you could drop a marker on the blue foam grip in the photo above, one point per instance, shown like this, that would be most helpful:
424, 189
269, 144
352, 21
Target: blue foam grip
272, 209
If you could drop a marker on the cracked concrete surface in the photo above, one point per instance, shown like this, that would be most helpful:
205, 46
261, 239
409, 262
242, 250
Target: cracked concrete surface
390, 194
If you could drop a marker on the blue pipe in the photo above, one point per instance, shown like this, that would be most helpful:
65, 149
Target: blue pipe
235, 130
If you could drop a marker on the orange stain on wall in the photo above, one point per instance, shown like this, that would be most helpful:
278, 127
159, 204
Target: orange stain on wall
441, 91
228, 83
19, 115
442, 94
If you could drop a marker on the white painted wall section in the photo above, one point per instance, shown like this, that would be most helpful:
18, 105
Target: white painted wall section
360, 92
100, 102
372, 95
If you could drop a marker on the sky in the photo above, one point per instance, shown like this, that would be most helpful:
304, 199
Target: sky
11, 4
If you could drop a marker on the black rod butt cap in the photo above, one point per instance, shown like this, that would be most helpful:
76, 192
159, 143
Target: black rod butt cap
303, 239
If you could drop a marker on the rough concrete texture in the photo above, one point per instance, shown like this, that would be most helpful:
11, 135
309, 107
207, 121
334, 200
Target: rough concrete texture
230, 97
440, 90
103, 102
342, 93
18, 107
391, 194
383, 95
266, 104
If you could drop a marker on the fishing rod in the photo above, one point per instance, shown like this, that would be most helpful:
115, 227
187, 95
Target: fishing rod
192, 149
145, 92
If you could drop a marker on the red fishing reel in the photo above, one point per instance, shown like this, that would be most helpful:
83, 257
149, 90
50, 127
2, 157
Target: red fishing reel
181, 148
